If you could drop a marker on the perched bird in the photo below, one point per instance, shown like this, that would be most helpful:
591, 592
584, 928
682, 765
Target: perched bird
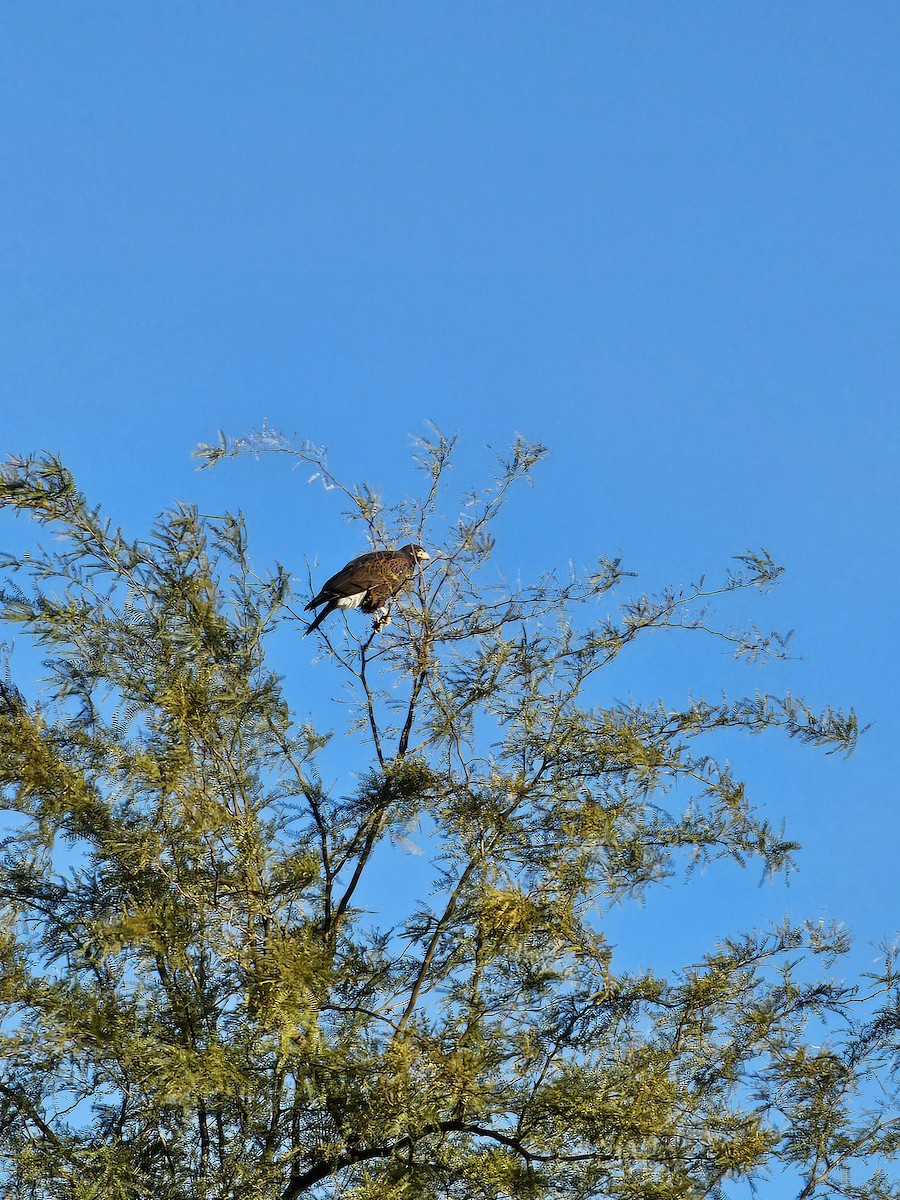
368, 582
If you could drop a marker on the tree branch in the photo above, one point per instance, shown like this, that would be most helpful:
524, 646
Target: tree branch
301, 1181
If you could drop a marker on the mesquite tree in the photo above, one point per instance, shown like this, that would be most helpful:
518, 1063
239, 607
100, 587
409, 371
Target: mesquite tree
200, 998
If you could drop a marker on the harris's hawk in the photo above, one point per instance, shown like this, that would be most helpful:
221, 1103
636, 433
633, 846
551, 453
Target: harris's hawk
367, 582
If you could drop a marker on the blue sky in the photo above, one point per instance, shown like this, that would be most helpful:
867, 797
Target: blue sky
661, 238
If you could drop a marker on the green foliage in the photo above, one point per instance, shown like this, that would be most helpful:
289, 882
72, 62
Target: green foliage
196, 1003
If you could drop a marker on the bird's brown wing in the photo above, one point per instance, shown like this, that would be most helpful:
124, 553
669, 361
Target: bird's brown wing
380, 571
388, 576
369, 570
350, 579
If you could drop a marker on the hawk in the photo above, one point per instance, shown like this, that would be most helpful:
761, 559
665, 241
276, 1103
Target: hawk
367, 582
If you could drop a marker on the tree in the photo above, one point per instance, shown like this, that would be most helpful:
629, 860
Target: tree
196, 1001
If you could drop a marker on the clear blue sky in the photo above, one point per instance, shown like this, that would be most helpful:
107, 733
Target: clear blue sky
662, 238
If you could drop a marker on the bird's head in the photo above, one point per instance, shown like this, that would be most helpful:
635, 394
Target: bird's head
415, 553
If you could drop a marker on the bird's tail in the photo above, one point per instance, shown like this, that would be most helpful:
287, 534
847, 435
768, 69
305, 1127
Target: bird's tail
317, 620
